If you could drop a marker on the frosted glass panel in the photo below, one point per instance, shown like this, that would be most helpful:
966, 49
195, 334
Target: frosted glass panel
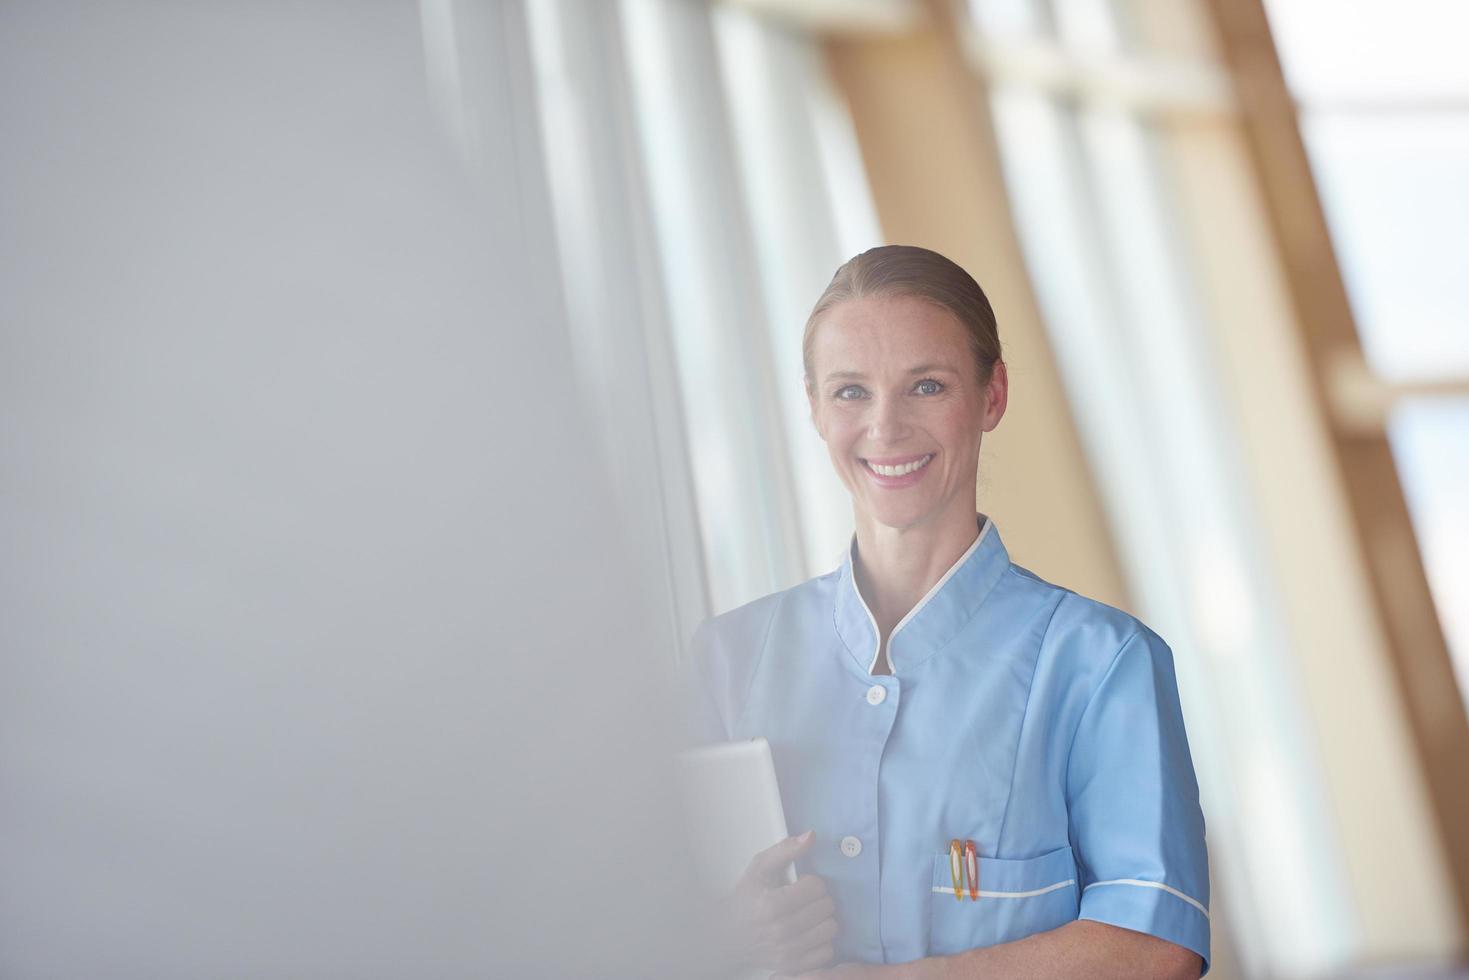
1372, 49
1395, 197
1430, 440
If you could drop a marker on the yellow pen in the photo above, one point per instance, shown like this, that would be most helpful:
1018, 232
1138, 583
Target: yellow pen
971, 869
956, 869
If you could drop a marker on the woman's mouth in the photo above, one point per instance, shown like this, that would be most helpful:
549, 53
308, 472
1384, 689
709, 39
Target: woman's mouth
898, 472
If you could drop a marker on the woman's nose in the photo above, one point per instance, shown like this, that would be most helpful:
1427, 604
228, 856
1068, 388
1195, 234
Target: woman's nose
887, 421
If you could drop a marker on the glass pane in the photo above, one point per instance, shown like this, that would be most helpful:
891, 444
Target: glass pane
1430, 440
795, 148
1086, 26
1372, 50
1393, 188
733, 428
1010, 19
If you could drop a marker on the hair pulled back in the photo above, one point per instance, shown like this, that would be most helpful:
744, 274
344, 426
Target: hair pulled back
908, 270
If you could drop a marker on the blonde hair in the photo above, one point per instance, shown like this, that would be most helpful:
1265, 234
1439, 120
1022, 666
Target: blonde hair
908, 270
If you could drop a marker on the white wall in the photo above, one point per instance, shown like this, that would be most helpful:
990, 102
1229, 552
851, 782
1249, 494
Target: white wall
317, 641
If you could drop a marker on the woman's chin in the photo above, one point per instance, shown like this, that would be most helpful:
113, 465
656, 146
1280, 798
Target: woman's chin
896, 514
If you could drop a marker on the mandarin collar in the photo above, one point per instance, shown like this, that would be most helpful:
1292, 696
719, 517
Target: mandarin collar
939, 615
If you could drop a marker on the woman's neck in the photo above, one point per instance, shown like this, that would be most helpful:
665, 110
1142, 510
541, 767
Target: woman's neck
895, 567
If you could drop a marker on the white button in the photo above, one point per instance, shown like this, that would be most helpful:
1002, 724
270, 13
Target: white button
876, 694
851, 846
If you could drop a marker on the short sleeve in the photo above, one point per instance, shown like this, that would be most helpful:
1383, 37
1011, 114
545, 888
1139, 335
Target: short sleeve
1135, 821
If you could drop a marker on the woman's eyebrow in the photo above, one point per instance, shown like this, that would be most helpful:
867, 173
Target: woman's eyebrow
920, 369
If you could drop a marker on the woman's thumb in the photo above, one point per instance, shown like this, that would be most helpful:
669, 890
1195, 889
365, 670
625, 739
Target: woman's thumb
770, 863
793, 847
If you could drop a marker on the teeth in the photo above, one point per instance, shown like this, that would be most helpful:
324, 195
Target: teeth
900, 470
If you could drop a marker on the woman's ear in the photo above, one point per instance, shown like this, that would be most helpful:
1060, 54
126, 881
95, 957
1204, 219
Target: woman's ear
997, 394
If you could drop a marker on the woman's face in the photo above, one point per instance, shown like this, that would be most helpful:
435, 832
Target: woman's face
897, 400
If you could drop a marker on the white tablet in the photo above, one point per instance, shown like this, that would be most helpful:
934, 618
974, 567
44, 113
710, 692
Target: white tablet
732, 803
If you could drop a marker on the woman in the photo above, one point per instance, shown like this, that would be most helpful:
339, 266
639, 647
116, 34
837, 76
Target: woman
993, 769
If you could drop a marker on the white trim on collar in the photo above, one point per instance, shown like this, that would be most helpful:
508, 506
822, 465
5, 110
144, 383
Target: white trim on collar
958, 563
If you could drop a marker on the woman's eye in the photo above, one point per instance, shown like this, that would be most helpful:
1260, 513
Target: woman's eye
929, 386
849, 393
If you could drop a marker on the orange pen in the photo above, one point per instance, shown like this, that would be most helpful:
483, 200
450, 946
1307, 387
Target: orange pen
971, 868
956, 869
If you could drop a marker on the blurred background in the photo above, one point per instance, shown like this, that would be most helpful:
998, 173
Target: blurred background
387, 391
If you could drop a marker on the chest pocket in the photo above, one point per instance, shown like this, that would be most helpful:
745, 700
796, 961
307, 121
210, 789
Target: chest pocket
1017, 898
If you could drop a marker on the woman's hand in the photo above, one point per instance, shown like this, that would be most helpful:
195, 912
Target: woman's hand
779, 926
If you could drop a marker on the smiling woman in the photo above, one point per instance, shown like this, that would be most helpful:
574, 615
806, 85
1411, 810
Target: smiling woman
985, 758
902, 402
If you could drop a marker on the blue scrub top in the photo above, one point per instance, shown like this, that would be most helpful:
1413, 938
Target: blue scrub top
1040, 724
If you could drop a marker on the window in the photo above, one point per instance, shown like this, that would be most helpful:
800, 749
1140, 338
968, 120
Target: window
1383, 95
